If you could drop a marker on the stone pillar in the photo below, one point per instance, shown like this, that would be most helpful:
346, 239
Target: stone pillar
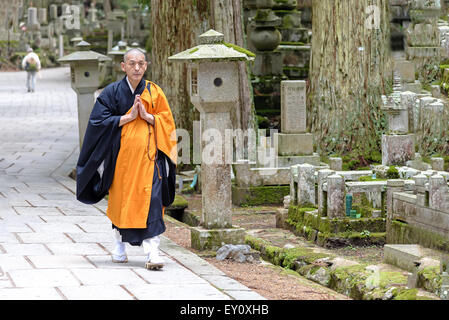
42, 16
409, 100
53, 12
294, 184
438, 192
322, 199
306, 185
437, 163
420, 189
32, 17
335, 196
336, 164
444, 286
393, 185
110, 39
431, 116
406, 72
398, 146
216, 175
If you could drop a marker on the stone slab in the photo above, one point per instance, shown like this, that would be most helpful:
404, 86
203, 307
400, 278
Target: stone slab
43, 278
101, 292
293, 106
288, 161
29, 294
213, 239
397, 149
294, 144
408, 256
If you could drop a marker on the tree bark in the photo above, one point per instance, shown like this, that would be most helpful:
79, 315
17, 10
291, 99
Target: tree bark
349, 71
175, 28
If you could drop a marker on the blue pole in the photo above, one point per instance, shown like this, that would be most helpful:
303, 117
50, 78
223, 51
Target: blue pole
348, 204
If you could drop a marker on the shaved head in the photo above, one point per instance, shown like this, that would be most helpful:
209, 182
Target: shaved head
134, 65
134, 52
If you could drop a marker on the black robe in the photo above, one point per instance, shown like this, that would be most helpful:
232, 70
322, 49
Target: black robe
102, 143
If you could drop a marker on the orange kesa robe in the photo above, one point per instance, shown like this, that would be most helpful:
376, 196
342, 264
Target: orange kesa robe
130, 192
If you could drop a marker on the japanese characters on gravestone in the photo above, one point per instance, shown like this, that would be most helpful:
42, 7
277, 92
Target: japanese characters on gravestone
293, 107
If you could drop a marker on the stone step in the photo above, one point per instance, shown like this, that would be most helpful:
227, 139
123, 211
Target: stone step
410, 256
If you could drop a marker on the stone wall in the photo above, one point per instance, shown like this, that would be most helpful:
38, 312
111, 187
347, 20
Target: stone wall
420, 218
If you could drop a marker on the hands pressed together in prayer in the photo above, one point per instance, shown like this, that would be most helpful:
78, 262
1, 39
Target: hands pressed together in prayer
138, 109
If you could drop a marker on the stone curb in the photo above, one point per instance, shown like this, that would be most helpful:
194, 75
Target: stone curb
350, 280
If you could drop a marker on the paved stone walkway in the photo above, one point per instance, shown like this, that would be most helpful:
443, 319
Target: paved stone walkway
51, 245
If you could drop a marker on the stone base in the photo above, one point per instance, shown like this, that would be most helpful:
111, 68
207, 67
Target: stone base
281, 216
423, 52
293, 144
245, 176
397, 149
331, 232
415, 87
267, 63
287, 161
406, 70
213, 239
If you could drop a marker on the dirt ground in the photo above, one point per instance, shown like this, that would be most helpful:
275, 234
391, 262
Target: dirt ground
282, 284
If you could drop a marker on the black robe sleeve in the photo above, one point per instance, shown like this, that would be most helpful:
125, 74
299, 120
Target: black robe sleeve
101, 143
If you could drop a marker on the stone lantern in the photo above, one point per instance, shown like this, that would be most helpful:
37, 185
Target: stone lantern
117, 53
214, 90
85, 79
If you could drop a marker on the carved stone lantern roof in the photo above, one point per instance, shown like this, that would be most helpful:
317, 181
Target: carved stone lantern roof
213, 47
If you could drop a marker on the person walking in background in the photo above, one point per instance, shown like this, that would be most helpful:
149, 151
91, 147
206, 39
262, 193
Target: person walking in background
31, 64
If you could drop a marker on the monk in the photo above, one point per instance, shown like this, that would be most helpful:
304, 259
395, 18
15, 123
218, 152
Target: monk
129, 152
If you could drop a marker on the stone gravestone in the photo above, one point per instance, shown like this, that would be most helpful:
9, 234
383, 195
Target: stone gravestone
398, 145
293, 106
294, 144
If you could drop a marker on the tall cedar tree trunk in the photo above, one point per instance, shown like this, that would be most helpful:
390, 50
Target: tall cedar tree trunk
176, 26
349, 71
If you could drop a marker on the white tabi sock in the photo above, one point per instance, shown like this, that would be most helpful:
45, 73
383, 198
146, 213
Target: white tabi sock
151, 249
119, 252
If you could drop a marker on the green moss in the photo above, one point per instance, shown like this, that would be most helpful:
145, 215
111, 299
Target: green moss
240, 49
429, 278
370, 178
406, 294
291, 43
392, 173
261, 15
404, 233
179, 202
388, 278
364, 231
254, 196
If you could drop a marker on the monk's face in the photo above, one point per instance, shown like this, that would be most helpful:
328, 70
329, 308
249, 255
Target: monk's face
134, 66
